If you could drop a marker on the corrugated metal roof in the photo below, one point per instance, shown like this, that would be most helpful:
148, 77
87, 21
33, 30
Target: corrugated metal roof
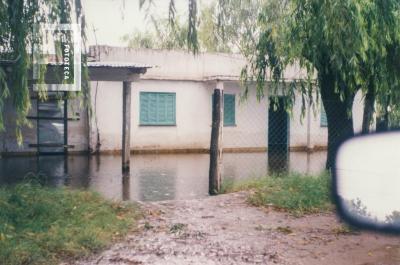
129, 65
119, 65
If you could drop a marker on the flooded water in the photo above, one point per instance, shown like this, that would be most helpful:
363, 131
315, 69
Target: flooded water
152, 177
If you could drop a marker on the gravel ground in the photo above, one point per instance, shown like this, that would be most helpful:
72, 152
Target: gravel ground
226, 230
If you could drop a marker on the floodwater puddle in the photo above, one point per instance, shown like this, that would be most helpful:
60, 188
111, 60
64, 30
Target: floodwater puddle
151, 177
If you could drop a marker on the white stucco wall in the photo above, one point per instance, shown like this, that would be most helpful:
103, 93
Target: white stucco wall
251, 120
193, 119
318, 134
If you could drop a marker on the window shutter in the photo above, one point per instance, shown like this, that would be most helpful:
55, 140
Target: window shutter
323, 119
229, 110
152, 108
144, 108
161, 108
170, 111
157, 108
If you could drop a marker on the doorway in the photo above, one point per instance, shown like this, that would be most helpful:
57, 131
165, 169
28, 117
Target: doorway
278, 136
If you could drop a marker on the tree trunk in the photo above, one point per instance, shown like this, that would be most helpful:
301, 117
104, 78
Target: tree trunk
382, 121
368, 110
340, 123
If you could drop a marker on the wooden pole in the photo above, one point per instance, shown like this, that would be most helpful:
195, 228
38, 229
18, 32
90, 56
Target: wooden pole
126, 125
126, 186
216, 143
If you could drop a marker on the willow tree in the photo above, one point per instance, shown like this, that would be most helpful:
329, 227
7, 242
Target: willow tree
381, 70
17, 37
220, 26
348, 45
192, 42
164, 35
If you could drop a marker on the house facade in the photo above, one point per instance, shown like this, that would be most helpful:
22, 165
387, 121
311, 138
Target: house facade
171, 109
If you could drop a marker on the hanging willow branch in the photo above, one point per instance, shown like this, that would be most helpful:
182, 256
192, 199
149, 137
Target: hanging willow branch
192, 27
192, 40
17, 37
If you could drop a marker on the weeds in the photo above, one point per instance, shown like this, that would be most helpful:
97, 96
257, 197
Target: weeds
295, 193
177, 228
40, 225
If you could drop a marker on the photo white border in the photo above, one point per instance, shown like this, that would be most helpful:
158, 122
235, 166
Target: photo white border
76, 39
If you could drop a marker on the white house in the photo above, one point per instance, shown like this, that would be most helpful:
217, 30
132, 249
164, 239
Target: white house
172, 105
171, 109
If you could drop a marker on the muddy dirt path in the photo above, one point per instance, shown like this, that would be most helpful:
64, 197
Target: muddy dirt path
226, 230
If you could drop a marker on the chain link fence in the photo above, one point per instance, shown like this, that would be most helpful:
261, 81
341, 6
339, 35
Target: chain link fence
267, 140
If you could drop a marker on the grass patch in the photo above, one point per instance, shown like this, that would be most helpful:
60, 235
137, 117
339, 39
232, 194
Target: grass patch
41, 225
298, 194
229, 185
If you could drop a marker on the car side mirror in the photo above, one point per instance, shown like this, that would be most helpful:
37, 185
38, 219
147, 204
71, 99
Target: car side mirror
367, 181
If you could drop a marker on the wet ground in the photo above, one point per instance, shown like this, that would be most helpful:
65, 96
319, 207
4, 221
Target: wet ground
226, 230
152, 177
185, 226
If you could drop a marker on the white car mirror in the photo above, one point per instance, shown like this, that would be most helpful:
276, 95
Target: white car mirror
367, 181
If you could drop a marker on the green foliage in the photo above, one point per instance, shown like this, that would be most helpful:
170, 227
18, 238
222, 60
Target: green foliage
17, 19
140, 40
357, 42
230, 185
237, 24
238, 33
209, 38
191, 37
348, 45
163, 36
295, 193
40, 225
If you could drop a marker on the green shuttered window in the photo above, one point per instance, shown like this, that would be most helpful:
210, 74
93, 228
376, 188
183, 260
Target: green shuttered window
229, 110
157, 108
324, 120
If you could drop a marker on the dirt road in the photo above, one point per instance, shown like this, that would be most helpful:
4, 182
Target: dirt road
226, 230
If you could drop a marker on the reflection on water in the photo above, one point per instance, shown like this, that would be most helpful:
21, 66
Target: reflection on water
152, 177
